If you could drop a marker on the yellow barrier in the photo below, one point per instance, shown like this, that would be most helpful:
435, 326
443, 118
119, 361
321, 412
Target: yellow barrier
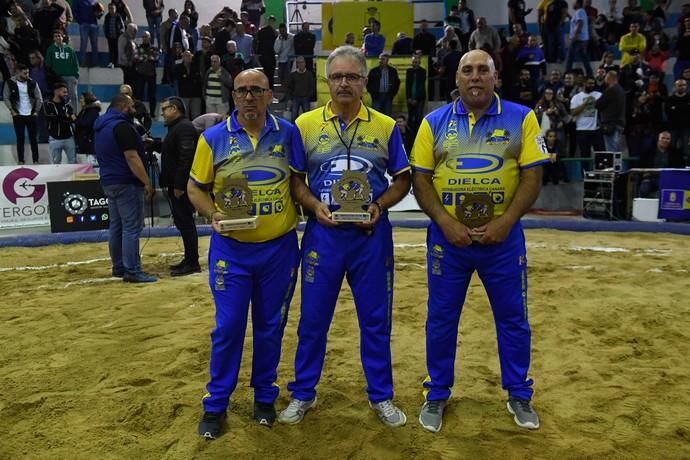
351, 16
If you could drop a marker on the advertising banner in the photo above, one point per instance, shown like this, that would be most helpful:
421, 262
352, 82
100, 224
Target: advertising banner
77, 205
24, 197
674, 194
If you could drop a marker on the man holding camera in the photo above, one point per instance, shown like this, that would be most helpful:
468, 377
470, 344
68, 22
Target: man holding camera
177, 155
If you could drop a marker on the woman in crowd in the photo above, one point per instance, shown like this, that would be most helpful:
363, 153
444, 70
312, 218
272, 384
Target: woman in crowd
555, 171
190, 11
124, 11
90, 110
552, 115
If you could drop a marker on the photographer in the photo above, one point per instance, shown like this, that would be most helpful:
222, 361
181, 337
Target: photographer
177, 151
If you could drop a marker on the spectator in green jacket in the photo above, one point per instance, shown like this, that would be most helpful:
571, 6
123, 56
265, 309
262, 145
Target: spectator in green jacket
63, 60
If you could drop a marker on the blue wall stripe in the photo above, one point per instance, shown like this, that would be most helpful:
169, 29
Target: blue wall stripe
575, 225
7, 136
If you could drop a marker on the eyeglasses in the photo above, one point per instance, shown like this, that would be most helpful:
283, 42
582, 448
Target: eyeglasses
349, 77
165, 107
255, 91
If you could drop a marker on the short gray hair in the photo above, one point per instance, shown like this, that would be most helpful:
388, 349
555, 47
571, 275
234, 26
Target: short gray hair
349, 52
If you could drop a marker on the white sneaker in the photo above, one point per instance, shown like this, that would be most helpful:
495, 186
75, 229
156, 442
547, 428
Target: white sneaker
294, 412
389, 413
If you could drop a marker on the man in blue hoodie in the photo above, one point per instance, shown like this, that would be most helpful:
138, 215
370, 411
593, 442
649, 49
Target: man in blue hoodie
125, 182
85, 15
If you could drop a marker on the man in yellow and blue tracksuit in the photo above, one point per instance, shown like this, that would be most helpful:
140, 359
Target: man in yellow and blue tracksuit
347, 135
254, 265
489, 151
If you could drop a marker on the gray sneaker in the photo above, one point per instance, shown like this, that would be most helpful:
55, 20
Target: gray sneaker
524, 413
294, 412
431, 416
389, 413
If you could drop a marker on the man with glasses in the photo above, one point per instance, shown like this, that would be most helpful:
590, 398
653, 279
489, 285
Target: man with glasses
257, 265
345, 134
177, 153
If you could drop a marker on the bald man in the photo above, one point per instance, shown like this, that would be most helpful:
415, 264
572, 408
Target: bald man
258, 264
123, 176
142, 118
475, 201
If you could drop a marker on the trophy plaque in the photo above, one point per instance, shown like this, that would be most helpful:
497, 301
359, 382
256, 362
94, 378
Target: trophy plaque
235, 201
351, 192
476, 210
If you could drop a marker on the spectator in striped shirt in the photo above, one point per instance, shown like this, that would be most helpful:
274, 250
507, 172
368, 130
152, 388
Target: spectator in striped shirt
216, 87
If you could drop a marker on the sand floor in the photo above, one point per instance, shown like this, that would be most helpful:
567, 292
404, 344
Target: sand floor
93, 368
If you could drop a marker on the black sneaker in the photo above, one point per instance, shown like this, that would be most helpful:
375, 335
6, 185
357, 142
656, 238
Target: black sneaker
264, 413
212, 424
178, 265
185, 269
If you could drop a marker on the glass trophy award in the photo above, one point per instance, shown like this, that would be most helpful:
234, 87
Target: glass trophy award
235, 200
351, 192
476, 210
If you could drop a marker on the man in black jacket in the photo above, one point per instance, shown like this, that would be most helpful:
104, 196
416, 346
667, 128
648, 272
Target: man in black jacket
424, 41
177, 155
23, 99
677, 108
383, 84
188, 81
304, 43
266, 37
611, 107
415, 93
60, 116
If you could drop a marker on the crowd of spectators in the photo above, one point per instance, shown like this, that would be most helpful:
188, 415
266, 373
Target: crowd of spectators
623, 100
620, 103
199, 62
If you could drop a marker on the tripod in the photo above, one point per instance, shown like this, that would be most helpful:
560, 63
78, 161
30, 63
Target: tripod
154, 171
296, 17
